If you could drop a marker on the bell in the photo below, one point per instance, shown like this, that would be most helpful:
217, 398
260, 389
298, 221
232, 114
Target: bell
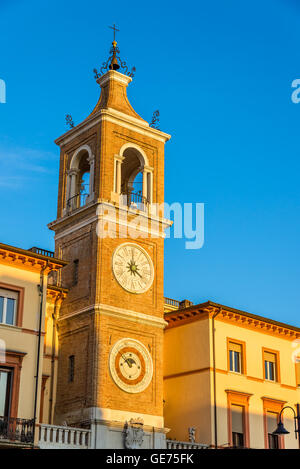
114, 65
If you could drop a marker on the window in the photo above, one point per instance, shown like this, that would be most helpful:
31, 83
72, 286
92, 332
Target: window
236, 356
84, 188
8, 306
71, 368
237, 422
5, 391
75, 272
80, 180
297, 365
270, 366
271, 411
272, 421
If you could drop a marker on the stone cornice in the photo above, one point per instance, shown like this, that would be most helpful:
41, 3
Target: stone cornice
238, 317
28, 260
117, 117
154, 225
122, 313
55, 294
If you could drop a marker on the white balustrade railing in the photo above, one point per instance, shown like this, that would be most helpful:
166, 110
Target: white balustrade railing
174, 444
56, 437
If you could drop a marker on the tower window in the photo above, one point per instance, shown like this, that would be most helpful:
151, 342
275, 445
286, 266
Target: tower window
80, 179
71, 368
84, 188
75, 272
133, 180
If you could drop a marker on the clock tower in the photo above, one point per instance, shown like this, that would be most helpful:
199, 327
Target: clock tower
110, 228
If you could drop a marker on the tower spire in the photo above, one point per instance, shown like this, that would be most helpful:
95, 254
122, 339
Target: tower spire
114, 62
114, 65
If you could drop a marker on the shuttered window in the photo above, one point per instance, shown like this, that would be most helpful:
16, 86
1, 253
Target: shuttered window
237, 421
272, 421
270, 366
235, 357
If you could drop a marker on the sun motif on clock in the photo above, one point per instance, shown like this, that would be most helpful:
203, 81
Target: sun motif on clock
133, 268
130, 365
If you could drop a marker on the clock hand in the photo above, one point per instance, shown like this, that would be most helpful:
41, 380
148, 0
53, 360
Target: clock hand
137, 272
126, 360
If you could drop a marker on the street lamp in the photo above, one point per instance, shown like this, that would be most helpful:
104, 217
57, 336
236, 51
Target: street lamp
280, 430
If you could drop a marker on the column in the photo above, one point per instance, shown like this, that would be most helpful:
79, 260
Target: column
91, 161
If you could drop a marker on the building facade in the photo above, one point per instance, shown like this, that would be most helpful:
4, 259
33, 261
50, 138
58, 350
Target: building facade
233, 372
23, 303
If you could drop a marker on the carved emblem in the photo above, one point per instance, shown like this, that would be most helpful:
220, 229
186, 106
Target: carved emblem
134, 434
192, 434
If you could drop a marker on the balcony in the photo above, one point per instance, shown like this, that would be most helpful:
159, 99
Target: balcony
134, 200
16, 432
77, 201
171, 302
63, 437
174, 444
42, 252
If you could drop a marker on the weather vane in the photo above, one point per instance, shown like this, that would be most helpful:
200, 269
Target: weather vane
114, 62
155, 120
69, 121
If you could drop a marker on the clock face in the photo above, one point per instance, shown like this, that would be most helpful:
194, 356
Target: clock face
130, 365
133, 268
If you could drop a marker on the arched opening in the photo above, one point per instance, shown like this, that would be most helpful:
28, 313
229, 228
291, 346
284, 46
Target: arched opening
131, 172
80, 178
83, 188
131, 177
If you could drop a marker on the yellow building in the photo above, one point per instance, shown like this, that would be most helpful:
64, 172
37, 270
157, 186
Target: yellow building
23, 366
91, 351
228, 374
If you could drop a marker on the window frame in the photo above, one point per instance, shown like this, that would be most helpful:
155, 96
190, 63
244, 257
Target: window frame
8, 397
276, 367
71, 368
274, 406
239, 399
243, 365
14, 361
20, 304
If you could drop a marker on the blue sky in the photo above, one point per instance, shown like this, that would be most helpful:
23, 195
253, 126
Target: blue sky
220, 73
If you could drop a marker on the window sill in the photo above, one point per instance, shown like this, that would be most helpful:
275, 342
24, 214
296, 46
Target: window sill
270, 381
235, 373
10, 327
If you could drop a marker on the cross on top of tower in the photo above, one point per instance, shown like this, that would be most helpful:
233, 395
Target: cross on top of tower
115, 29
114, 61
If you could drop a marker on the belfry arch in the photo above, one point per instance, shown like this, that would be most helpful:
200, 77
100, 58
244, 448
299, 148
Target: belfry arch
80, 178
133, 177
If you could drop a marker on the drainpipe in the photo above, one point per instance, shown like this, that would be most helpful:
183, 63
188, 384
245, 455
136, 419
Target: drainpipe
41, 291
214, 377
54, 316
